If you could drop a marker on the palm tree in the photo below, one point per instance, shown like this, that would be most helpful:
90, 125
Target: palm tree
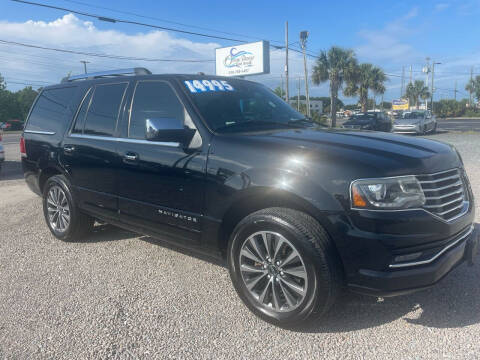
417, 91
473, 87
366, 77
337, 66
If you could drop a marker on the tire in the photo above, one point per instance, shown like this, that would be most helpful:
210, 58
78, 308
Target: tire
78, 224
317, 262
434, 130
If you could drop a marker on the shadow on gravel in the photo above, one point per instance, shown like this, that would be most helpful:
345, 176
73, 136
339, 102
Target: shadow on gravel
11, 170
107, 232
452, 303
185, 251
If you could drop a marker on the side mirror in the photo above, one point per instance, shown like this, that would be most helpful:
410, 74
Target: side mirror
168, 130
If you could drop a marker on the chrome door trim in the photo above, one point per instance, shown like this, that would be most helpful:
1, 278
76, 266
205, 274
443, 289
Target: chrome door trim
118, 139
40, 132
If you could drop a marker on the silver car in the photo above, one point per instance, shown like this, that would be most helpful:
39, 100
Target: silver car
415, 122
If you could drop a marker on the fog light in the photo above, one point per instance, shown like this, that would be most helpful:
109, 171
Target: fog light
408, 257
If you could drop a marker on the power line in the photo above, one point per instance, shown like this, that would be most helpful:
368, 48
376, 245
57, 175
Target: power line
131, 22
124, 21
108, 56
164, 20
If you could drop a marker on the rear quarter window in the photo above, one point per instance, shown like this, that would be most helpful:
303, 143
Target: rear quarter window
50, 110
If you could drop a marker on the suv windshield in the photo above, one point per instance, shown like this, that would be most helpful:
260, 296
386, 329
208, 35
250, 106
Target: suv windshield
245, 106
364, 116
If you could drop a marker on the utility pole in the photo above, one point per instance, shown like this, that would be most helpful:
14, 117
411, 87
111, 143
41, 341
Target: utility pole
298, 96
426, 70
281, 92
286, 62
410, 74
403, 82
303, 42
455, 90
85, 65
433, 75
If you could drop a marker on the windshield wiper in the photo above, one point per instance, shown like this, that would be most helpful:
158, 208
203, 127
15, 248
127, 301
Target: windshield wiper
305, 121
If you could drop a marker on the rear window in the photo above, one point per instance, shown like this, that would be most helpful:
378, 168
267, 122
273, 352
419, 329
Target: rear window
50, 111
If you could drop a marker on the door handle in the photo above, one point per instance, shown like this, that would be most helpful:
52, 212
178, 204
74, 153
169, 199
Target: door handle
130, 156
69, 149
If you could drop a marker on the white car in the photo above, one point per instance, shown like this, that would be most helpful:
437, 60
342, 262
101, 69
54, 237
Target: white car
415, 122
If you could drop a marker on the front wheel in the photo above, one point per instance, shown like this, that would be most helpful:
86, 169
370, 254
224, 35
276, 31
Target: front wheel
284, 267
62, 215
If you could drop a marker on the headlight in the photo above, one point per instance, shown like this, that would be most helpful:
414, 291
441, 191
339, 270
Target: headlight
401, 192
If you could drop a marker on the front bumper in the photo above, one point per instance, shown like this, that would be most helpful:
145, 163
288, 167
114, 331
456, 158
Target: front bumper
407, 279
406, 129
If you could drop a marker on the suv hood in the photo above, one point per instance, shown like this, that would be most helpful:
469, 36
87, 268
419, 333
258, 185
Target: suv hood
368, 151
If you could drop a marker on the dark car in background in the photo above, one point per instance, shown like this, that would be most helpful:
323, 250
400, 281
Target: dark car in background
371, 120
224, 167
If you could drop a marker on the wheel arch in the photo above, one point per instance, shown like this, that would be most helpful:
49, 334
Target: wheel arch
262, 198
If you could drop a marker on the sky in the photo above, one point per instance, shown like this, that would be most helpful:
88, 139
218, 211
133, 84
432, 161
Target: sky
390, 34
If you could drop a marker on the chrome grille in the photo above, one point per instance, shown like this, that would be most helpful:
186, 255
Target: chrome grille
445, 194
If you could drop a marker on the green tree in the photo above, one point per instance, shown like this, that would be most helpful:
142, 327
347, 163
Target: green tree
336, 66
2, 83
25, 98
279, 91
417, 91
366, 77
473, 86
450, 107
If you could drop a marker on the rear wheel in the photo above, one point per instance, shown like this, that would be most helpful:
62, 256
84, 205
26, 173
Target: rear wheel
63, 218
284, 266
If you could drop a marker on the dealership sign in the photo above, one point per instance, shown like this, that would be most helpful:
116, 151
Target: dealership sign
401, 104
242, 60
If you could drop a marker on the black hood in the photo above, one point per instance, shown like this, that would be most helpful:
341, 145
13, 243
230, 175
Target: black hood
367, 151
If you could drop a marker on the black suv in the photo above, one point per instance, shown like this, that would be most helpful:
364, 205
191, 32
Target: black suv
370, 120
225, 167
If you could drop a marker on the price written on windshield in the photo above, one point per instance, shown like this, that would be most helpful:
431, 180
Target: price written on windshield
199, 86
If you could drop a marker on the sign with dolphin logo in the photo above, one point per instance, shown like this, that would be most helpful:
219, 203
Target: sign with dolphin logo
242, 60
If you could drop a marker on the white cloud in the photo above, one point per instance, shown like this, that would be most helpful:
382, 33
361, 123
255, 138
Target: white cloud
70, 32
388, 43
441, 6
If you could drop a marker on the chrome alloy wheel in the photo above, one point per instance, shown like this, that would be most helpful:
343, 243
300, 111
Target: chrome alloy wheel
58, 209
273, 271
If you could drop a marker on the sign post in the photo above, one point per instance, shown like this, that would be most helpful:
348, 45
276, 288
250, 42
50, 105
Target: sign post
243, 60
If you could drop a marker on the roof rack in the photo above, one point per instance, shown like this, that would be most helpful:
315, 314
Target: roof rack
109, 73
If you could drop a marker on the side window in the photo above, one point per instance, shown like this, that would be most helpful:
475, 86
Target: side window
49, 112
80, 120
154, 100
104, 109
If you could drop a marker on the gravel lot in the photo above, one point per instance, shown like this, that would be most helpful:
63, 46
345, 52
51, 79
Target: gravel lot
122, 296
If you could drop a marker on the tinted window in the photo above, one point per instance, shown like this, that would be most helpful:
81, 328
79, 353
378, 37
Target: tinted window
153, 100
364, 116
80, 121
104, 108
49, 112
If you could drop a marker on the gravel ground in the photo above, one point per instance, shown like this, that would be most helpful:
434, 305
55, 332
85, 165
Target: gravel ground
122, 296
